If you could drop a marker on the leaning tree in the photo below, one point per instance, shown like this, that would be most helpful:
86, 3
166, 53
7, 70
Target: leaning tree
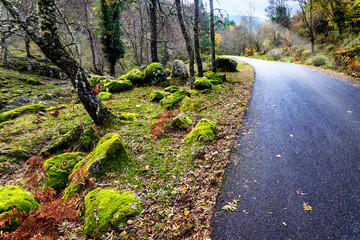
49, 41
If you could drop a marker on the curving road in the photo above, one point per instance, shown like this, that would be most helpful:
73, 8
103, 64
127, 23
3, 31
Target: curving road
301, 144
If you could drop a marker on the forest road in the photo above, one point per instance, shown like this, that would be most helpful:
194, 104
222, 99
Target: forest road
299, 149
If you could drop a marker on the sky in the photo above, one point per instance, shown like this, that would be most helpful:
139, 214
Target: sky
241, 7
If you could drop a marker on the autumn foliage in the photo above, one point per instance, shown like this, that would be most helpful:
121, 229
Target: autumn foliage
158, 128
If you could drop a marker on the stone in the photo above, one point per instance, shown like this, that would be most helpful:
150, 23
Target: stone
110, 154
59, 167
105, 96
216, 78
181, 121
180, 70
189, 104
203, 131
202, 83
172, 89
6, 116
118, 86
105, 208
18, 198
170, 101
17, 153
125, 116
136, 76
155, 74
156, 96
225, 64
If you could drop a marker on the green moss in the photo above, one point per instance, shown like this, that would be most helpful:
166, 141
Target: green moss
225, 64
96, 80
57, 107
105, 96
203, 131
155, 74
202, 83
136, 77
110, 154
172, 89
2, 125
170, 101
128, 116
189, 104
22, 110
118, 86
156, 96
17, 153
106, 208
59, 167
206, 91
65, 141
87, 138
220, 77
182, 121
18, 198
305, 54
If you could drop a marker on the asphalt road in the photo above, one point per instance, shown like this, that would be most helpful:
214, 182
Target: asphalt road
313, 121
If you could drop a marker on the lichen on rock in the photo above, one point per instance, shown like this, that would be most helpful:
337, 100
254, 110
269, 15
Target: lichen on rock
202, 83
170, 101
204, 130
105, 96
6, 116
155, 74
136, 76
125, 116
106, 208
59, 167
180, 70
18, 198
110, 154
181, 121
118, 86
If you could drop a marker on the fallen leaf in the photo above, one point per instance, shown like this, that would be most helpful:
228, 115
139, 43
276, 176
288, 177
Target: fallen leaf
278, 156
291, 135
349, 111
284, 223
186, 213
307, 207
230, 206
299, 191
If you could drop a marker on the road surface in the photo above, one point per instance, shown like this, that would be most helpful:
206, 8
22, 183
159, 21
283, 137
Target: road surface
300, 149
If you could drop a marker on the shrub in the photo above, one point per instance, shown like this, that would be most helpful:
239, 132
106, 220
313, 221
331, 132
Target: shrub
275, 55
319, 60
305, 54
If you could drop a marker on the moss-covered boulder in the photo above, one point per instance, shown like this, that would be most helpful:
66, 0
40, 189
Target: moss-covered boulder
189, 104
64, 141
172, 89
155, 74
57, 107
17, 198
225, 64
118, 86
181, 121
202, 83
170, 101
59, 167
105, 96
110, 154
108, 208
136, 76
156, 96
6, 116
17, 153
204, 130
216, 78
87, 138
180, 70
96, 80
125, 116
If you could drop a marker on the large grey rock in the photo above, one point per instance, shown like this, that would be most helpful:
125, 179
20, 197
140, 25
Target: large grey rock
180, 70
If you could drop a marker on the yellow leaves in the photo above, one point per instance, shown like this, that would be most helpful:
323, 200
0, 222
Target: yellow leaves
307, 207
218, 38
186, 213
230, 206
231, 28
93, 9
299, 191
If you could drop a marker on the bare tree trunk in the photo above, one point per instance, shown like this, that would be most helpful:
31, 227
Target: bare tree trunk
4, 50
189, 47
50, 44
311, 27
27, 46
196, 39
152, 7
212, 35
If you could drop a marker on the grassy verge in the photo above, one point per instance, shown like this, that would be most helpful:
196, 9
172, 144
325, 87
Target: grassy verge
178, 183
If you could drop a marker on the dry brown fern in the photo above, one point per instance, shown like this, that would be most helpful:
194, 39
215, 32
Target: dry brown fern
158, 128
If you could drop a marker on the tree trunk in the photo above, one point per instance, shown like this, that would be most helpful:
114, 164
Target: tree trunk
27, 46
5, 51
189, 47
311, 29
112, 68
93, 54
196, 39
50, 44
153, 36
212, 34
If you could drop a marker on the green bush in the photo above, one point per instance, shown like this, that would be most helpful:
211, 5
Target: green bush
305, 54
275, 55
319, 60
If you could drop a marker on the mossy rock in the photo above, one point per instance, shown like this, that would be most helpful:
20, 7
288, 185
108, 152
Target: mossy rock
17, 153
57, 107
216, 78
65, 141
156, 96
180, 70
87, 138
136, 76
225, 64
118, 86
105, 96
181, 121
189, 104
96, 80
59, 167
170, 101
172, 89
6, 116
17, 198
110, 154
204, 130
2, 125
202, 83
125, 116
155, 74
206, 91
106, 208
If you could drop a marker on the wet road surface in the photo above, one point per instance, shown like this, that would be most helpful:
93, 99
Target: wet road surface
300, 145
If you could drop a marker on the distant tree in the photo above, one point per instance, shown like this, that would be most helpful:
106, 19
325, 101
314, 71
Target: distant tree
307, 17
110, 32
196, 39
279, 12
153, 23
212, 34
50, 43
